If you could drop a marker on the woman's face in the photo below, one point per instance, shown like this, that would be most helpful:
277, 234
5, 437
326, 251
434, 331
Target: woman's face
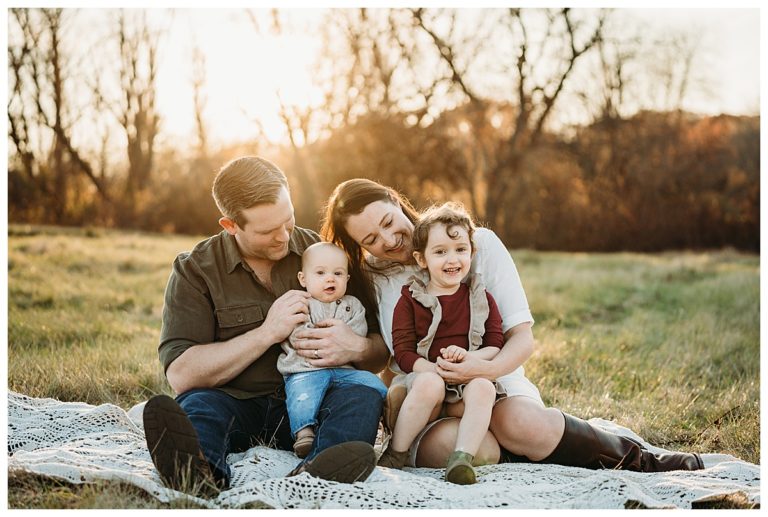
383, 230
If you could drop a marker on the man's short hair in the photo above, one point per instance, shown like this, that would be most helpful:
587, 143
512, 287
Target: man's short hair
244, 183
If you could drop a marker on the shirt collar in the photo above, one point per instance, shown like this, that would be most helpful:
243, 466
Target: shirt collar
232, 252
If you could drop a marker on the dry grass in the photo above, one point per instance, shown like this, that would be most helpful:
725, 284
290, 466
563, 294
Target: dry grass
666, 344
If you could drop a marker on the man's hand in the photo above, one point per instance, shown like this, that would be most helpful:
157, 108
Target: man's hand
453, 354
330, 343
288, 311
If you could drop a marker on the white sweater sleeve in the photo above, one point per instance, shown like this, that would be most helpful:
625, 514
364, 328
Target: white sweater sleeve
356, 316
501, 279
388, 289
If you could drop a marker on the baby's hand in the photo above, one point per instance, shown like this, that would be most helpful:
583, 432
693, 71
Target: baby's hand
453, 353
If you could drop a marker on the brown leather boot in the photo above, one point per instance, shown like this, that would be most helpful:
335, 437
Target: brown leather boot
586, 446
393, 459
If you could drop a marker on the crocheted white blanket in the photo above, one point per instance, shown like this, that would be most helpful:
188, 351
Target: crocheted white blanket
81, 443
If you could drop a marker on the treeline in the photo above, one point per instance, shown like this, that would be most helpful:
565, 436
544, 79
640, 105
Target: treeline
433, 102
653, 182
656, 181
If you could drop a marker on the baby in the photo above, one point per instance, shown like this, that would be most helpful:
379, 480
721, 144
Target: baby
324, 274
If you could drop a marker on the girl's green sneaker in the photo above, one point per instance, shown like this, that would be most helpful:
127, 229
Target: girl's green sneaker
459, 469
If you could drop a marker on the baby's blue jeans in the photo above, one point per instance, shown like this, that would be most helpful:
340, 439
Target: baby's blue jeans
305, 391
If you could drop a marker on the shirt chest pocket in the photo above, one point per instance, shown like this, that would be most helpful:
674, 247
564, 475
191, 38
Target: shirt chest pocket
237, 320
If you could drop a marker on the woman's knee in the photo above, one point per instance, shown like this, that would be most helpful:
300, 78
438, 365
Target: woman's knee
439, 442
524, 421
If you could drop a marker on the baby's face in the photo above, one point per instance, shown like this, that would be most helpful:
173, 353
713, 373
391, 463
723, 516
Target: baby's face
325, 274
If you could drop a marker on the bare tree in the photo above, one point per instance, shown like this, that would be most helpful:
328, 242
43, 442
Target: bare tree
135, 109
198, 83
298, 124
538, 74
39, 112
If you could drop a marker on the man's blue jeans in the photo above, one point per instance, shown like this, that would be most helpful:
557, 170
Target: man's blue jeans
305, 391
225, 424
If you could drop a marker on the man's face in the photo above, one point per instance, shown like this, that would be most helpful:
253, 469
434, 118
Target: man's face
267, 229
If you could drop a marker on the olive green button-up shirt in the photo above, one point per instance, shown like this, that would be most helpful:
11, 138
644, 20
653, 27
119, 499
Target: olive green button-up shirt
213, 295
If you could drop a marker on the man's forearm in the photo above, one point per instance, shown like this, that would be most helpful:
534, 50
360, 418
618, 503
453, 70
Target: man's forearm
215, 364
373, 355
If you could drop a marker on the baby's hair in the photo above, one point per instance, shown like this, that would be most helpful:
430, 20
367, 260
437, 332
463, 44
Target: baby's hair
450, 214
307, 255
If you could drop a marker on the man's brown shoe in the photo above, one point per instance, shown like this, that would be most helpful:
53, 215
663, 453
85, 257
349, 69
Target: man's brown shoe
175, 449
344, 463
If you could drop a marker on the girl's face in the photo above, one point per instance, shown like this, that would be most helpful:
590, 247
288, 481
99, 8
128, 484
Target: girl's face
446, 257
383, 230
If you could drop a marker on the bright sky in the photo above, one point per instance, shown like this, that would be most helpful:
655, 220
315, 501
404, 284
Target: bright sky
246, 69
730, 46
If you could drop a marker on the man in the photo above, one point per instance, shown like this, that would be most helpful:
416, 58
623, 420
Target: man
229, 303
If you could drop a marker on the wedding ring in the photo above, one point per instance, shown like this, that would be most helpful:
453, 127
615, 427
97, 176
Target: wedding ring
316, 355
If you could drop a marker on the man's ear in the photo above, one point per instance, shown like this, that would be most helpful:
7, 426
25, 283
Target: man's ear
420, 259
228, 224
300, 276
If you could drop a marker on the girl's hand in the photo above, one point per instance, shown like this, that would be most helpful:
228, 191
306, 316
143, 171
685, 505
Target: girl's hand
453, 353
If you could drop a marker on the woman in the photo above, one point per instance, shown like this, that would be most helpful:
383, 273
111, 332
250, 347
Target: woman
374, 224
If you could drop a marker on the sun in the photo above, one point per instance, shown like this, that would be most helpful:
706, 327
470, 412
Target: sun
248, 73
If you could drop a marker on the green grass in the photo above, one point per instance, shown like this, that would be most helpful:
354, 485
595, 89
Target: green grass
665, 344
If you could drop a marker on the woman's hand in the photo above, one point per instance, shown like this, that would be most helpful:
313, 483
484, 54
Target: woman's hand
331, 343
459, 373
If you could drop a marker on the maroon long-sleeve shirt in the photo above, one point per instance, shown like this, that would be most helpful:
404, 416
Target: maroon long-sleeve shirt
411, 321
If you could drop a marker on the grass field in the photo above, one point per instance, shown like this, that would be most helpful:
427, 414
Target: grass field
665, 344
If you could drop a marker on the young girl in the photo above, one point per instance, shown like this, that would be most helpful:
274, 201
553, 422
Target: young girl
438, 315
